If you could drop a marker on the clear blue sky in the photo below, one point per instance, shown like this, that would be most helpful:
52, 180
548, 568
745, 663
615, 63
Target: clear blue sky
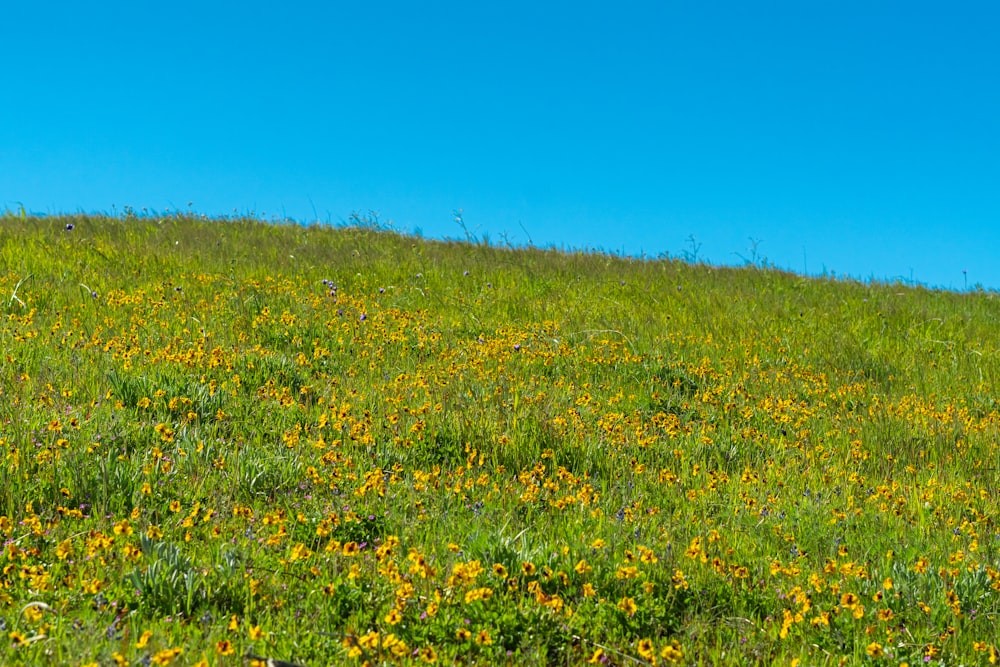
859, 137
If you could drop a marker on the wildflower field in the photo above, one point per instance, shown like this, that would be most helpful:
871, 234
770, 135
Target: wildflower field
225, 439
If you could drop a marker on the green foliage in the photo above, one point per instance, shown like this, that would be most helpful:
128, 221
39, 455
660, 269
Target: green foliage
168, 583
330, 445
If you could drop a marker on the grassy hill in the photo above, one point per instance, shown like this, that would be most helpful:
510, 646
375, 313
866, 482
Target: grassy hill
338, 446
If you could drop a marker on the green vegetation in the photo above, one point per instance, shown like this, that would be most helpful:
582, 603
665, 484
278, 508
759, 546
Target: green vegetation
337, 446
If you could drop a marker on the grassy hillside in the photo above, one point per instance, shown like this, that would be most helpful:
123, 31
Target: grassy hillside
338, 446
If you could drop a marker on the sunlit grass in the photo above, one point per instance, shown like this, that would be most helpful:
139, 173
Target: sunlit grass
338, 446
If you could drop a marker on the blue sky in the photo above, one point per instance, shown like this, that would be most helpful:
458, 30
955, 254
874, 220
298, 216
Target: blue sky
857, 137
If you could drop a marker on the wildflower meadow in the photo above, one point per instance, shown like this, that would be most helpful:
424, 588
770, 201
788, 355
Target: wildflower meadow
229, 442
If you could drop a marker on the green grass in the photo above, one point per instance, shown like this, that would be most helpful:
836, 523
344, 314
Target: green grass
331, 446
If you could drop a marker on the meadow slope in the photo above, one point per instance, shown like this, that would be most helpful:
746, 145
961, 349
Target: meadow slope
343, 445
